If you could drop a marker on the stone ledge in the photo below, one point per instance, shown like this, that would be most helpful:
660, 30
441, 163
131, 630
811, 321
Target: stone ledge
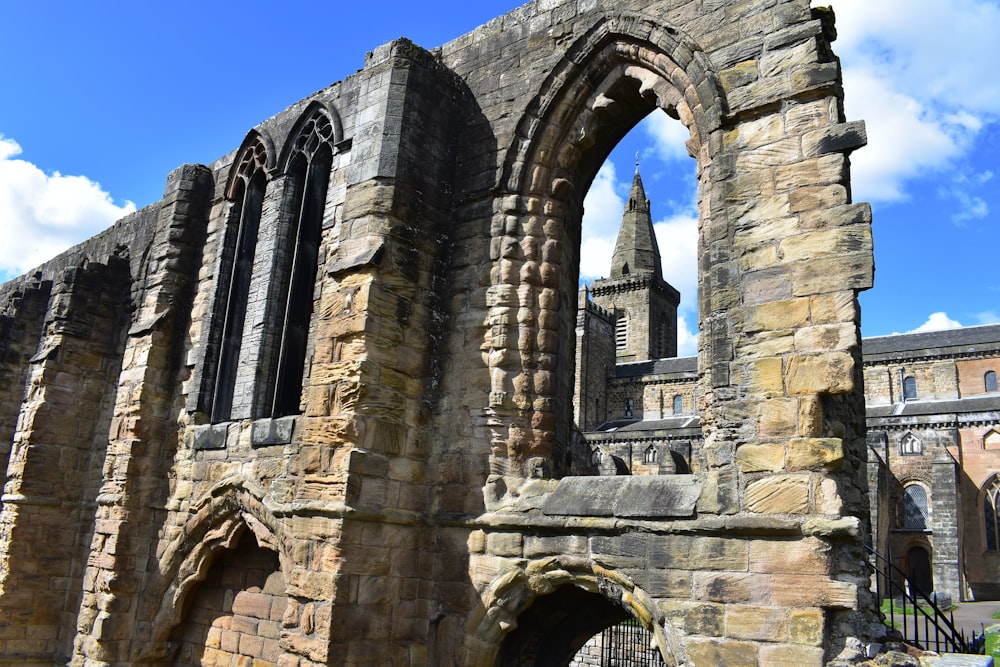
629, 497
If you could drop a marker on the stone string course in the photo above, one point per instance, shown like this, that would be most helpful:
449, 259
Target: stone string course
396, 517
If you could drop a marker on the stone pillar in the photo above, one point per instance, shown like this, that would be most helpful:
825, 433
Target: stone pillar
113, 618
58, 447
20, 330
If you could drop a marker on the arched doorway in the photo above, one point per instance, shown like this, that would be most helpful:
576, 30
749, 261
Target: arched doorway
556, 627
918, 570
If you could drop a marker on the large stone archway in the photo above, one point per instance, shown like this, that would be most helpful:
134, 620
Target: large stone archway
416, 492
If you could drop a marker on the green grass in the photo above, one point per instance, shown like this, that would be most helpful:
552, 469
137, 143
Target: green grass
996, 614
889, 607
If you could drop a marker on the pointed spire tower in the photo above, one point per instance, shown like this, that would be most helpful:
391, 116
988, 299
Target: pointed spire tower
644, 304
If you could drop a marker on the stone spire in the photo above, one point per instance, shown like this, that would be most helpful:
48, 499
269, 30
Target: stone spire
636, 251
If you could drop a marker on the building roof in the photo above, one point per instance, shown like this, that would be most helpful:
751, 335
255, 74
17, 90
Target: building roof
967, 340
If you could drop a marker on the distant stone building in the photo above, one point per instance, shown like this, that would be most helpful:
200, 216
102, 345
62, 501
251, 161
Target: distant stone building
933, 415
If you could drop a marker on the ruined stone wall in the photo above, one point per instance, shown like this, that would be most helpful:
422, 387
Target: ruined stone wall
413, 495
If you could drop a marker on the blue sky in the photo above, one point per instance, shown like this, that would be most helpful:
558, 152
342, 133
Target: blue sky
99, 101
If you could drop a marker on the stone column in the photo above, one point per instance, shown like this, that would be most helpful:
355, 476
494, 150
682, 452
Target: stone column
113, 618
58, 447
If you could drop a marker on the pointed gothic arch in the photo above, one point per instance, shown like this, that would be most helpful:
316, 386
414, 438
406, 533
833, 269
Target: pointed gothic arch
626, 66
219, 520
307, 163
245, 189
518, 605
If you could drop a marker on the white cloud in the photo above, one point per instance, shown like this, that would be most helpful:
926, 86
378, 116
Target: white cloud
677, 238
687, 339
938, 322
43, 214
916, 72
668, 135
602, 215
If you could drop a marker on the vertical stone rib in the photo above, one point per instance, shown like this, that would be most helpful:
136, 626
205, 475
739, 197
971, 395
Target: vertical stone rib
140, 450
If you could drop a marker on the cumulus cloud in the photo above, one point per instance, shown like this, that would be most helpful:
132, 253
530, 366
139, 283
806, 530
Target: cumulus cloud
938, 322
43, 214
914, 71
668, 137
602, 214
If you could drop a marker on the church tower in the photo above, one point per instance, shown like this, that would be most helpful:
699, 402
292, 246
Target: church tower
644, 305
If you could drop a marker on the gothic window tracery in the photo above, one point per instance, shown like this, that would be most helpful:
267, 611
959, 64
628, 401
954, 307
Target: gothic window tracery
240, 243
308, 180
910, 445
652, 456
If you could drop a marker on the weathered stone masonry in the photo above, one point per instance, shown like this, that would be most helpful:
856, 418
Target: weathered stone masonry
332, 372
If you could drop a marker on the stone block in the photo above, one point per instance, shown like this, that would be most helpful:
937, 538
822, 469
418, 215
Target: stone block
627, 496
806, 626
778, 494
815, 454
760, 457
718, 652
825, 373
777, 418
731, 587
806, 555
776, 315
792, 590
791, 656
757, 622
766, 377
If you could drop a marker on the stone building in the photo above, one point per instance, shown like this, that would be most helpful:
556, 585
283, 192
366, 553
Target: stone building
933, 417
314, 407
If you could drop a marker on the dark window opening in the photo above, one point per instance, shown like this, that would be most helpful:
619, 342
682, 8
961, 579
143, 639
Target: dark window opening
312, 177
909, 387
990, 380
915, 512
244, 223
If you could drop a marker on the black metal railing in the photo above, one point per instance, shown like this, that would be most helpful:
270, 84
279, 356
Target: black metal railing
921, 622
628, 644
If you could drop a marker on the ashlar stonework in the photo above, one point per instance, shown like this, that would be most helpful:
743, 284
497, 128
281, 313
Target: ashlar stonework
315, 406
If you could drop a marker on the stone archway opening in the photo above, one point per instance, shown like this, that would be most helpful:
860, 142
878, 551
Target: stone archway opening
555, 627
581, 116
638, 301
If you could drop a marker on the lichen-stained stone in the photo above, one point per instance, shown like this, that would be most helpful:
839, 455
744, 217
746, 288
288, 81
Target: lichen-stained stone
779, 494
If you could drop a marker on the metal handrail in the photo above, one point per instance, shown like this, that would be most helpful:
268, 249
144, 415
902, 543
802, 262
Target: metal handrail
946, 637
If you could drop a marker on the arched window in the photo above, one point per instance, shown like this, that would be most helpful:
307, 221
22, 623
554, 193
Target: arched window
652, 456
678, 404
240, 244
990, 500
990, 380
910, 445
916, 515
909, 387
629, 407
308, 180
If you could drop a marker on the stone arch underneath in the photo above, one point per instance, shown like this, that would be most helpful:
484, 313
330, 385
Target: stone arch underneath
228, 512
625, 67
543, 614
